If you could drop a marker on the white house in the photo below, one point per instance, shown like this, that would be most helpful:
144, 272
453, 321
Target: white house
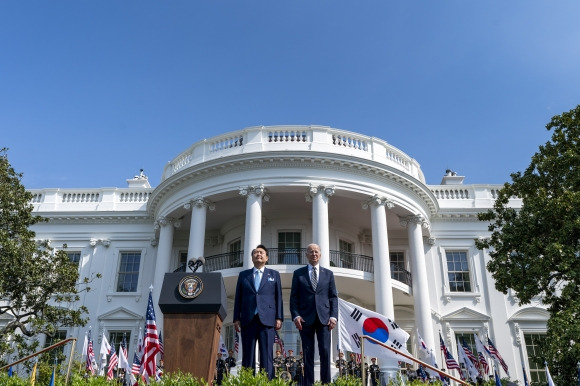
396, 245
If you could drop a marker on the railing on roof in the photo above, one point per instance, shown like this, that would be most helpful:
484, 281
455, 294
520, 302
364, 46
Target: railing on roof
297, 256
294, 138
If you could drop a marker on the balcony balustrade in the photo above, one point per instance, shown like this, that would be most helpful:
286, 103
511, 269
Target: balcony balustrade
297, 256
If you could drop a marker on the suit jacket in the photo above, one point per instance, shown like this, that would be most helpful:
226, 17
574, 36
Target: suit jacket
307, 303
268, 298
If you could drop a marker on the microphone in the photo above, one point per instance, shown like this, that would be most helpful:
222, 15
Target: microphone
195, 264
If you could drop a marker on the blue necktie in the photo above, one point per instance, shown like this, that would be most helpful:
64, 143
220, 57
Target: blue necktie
257, 279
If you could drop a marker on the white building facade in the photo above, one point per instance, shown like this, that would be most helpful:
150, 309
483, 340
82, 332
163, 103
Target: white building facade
396, 245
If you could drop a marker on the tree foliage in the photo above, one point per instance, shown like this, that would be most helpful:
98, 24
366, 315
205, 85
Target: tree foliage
38, 285
535, 250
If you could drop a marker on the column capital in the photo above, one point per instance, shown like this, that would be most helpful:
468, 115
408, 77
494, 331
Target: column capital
313, 190
199, 202
414, 219
258, 190
378, 201
163, 221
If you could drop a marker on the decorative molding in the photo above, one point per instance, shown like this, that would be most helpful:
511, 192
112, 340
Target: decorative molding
154, 242
316, 189
200, 202
415, 219
258, 190
104, 242
378, 201
518, 335
164, 221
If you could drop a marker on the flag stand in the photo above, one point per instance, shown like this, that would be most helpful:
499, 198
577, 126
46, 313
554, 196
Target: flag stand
363, 337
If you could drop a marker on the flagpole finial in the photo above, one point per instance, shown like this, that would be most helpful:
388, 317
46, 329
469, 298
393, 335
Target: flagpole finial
151, 288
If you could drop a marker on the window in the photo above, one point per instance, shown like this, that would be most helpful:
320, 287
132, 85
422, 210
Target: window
398, 272
289, 247
290, 338
74, 257
458, 271
56, 354
469, 340
535, 358
128, 271
235, 251
116, 338
345, 253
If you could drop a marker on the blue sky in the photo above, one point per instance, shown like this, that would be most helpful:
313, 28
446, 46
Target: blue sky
92, 91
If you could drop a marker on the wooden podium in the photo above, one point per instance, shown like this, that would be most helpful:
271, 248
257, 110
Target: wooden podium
194, 307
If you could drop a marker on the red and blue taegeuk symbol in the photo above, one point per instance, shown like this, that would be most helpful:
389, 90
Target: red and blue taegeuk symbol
376, 328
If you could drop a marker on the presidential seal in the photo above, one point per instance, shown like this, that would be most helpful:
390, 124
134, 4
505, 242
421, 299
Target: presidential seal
190, 287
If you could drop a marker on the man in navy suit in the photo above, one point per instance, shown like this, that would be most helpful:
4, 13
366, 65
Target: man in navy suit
314, 310
258, 311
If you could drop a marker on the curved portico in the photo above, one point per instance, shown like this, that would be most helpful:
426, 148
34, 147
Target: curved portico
311, 187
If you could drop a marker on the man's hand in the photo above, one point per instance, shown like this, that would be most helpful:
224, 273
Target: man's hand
237, 325
278, 324
298, 322
331, 323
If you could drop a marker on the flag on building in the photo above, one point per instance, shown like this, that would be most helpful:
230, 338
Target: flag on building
150, 342
495, 354
469, 353
105, 349
482, 351
548, 376
91, 365
280, 342
223, 350
470, 367
450, 362
237, 341
113, 362
355, 321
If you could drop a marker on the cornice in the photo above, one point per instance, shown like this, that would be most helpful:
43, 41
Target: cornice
280, 160
98, 218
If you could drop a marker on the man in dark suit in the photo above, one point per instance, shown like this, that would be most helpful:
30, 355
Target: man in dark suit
258, 311
314, 310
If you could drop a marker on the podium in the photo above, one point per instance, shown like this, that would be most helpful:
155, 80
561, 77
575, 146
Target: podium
194, 307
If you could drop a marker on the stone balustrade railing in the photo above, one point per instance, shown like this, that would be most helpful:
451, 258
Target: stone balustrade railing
294, 138
105, 199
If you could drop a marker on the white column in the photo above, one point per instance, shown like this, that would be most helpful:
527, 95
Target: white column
253, 236
382, 263
166, 228
320, 196
419, 271
199, 207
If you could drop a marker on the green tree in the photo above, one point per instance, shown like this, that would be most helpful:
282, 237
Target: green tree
39, 286
535, 250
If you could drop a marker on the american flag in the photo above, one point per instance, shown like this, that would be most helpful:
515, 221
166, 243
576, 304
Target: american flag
113, 362
151, 342
124, 346
161, 348
90, 356
469, 354
481, 351
280, 342
136, 367
449, 360
493, 351
237, 342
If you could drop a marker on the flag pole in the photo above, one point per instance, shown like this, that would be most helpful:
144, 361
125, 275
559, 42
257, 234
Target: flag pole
362, 355
438, 371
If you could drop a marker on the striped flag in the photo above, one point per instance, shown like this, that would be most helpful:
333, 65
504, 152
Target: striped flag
468, 352
90, 364
113, 362
136, 367
150, 342
450, 362
124, 346
481, 352
161, 347
493, 351
237, 341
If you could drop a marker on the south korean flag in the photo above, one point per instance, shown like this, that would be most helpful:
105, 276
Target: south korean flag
355, 321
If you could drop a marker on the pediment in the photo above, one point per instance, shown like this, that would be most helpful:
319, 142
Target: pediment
465, 313
120, 313
530, 314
